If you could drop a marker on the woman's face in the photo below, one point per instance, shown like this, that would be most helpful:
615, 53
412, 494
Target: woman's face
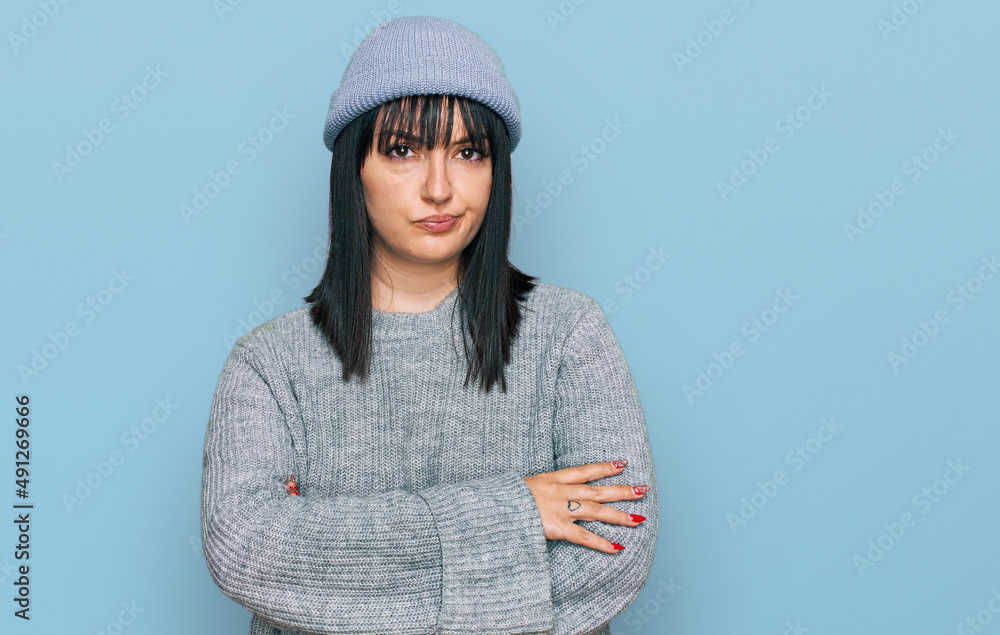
411, 183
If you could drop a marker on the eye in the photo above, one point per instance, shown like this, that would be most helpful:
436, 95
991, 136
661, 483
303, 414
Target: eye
400, 152
473, 152
393, 152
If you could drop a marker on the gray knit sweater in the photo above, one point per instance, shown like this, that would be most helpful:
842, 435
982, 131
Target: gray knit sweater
413, 516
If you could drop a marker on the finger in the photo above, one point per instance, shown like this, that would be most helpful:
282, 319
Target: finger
588, 510
579, 535
588, 472
604, 493
638, 491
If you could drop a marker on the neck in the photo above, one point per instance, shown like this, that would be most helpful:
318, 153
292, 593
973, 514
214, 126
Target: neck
415, 288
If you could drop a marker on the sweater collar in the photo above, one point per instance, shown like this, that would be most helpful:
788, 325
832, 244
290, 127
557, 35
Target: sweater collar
390, 326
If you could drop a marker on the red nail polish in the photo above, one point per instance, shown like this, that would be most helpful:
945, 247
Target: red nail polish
293, 489
617, 546
636, 518
640, 489
619, 464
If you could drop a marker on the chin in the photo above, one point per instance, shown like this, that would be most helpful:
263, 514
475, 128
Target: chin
435, 255
436, 259
437, 246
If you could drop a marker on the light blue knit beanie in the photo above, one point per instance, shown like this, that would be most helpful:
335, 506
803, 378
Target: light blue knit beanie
421, 55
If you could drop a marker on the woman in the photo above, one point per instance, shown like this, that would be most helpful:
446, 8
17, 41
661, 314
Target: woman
363, 473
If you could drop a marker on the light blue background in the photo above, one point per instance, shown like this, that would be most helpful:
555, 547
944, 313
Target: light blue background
653, 186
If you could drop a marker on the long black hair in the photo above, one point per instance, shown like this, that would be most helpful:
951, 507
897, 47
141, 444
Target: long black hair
490, 288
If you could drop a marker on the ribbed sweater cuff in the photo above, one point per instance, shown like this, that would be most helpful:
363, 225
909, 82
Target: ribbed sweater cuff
496, 574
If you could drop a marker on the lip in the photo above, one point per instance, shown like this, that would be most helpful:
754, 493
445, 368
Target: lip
438, 223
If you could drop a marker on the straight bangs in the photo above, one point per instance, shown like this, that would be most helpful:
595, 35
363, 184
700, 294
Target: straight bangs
428, 120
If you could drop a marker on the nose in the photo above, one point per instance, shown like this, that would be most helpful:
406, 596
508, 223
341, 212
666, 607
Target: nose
437, 186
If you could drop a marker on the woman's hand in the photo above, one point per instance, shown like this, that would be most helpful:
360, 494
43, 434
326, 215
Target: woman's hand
562, 499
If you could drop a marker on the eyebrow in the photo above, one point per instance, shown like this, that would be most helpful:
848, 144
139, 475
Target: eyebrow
405, 136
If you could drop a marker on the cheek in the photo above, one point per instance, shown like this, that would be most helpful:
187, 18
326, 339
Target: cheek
378, 198
387, 191
482, 188
386, 214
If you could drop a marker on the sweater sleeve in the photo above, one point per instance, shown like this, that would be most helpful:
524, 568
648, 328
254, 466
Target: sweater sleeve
466, 557
599, 418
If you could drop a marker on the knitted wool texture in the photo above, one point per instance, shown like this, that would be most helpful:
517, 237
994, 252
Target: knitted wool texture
413, 515
421, 55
